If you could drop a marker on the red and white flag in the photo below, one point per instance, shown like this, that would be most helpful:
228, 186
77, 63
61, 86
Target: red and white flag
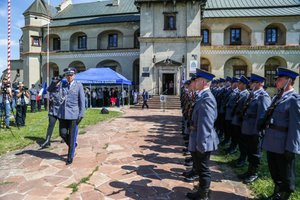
42, 91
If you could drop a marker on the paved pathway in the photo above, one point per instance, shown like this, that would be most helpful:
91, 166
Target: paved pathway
136, 156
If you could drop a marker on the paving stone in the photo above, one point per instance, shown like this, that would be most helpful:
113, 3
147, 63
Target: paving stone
138, 155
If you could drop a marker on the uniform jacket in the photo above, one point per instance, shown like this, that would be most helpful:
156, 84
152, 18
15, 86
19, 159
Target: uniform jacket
72, 101
230, 103
54, 102
287, 116
255, 112
237, 115
33, 93
203, 136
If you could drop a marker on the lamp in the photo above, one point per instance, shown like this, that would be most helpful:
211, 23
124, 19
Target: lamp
182, 60
194, 56
154, 59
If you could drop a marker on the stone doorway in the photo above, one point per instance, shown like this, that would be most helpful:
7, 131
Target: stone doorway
168, 84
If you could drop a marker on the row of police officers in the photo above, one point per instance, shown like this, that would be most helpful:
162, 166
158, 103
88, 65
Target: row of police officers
240, 113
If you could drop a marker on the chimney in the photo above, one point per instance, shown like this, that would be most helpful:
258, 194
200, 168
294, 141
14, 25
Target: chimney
63, 5
115, 2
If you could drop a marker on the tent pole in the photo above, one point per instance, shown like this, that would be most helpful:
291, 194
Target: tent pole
90, 96
122, 95
129, 92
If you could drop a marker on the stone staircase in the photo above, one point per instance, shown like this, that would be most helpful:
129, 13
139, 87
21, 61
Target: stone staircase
172, 102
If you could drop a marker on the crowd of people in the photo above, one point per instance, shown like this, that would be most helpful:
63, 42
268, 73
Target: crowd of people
237, 114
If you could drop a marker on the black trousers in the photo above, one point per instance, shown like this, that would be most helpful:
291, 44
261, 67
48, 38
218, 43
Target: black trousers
202, 169
254, 151
283, 170
51, 125
21, 115
33, 105
234, 133
68, 131
39, 105
145, 104
242, 142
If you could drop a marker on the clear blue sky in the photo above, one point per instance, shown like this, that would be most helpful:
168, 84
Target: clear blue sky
17, 21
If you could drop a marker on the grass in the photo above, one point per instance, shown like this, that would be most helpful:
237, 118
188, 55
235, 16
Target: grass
263, 187
36, 127
74, 186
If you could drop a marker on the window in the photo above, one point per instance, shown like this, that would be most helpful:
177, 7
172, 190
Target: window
56, 44
271, 36
235, 36
169, 21
82, 42
205, 67
112, 40
205, 36
239, 70
270, 73
36, 41
136, 39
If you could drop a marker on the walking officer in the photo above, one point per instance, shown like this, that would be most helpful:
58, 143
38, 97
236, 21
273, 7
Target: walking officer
54, 105
281, 140
71, 110
259, 101
206, 139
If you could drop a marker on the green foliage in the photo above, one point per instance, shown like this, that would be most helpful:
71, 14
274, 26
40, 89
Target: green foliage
36, 127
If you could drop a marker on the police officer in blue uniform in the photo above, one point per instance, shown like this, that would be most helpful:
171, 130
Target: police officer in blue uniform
282, 135
254, 112
237, 120
205, 139
53, 109
71, 110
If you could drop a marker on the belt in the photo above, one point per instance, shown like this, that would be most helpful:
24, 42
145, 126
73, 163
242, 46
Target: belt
279, 128
251, 115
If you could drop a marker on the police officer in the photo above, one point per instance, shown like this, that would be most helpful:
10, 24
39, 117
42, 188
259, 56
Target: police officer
71, 110
206, 139
33, 94
237, 120
254, 112
53, 109
281, 140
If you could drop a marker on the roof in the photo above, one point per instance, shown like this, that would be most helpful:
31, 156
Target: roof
101, 76
98, 8
96, 20
104, 12
253, 8
41, 7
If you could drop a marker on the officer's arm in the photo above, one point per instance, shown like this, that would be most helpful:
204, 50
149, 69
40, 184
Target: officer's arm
81, 101
293, 136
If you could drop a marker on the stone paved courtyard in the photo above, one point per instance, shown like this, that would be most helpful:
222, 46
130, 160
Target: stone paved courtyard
136, 156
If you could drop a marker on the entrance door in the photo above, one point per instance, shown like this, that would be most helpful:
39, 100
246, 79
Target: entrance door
168, 84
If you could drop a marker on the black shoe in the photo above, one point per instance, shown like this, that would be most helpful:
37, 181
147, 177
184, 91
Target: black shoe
191, 178
240, 163
45, 145
188, 173
188, 163
251, 178
231, 151
187, 153
7, 127
188, 159
275, 196
69, 161
193, 195
243, 176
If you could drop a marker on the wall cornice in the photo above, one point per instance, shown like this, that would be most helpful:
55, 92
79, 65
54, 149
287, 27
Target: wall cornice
170, 39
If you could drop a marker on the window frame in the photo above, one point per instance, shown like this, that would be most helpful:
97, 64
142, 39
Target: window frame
167, 17
202, 34
270, 77
239, 68
82, 42
56, 44
234, 42
114, 42
36, 38
271, 36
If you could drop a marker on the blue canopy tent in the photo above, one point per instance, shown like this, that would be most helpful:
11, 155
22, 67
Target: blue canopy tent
102, 76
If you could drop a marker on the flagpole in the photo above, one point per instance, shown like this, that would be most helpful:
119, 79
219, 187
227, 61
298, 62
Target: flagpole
8, 40
48, 50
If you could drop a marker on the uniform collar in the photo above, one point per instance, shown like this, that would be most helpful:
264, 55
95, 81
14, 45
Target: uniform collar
257, 91
202, 91
287, 92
